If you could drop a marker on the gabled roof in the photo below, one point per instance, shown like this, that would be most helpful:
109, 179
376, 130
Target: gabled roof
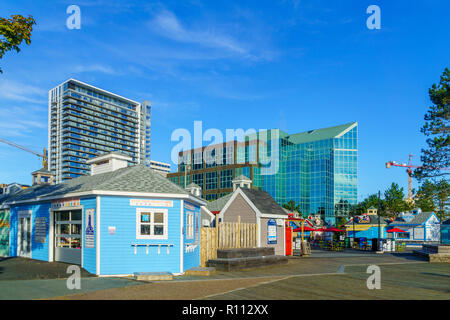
418, 219
192, 185
217, 205
42, 170
241, 177
372, 220
263, 202
138, 179
321, 134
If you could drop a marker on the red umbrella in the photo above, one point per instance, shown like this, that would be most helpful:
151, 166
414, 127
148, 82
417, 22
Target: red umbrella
305, 228
395, 230
332, 229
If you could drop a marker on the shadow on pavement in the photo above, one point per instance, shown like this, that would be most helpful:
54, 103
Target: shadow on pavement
28, 269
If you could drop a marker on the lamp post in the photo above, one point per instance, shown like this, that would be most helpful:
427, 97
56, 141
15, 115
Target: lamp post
354, 236
186, 168
379, 226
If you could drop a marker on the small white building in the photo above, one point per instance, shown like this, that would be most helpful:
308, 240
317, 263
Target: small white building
418, 226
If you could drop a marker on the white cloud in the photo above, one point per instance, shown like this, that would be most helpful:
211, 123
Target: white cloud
12, 90
167, 24
22, 121
94, 68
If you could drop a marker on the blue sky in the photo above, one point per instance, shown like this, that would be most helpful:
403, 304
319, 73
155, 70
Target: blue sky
290, 64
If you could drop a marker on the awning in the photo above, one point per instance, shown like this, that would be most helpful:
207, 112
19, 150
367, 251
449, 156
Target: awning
305, 228
332, 229
395, 230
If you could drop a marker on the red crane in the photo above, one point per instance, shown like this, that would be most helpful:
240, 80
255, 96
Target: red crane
408, 171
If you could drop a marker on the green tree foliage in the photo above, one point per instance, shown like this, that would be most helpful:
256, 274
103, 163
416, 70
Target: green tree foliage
292, 206
394, 200
425, 197
370, 201
437, 129
434, 196
13, 31
442, 198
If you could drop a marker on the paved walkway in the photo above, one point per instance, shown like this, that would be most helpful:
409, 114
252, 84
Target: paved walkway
324, 275
48, 288
225, 285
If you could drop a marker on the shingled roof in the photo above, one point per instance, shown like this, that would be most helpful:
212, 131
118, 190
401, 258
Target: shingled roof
418, 219
217, 205
263, 201
139, 179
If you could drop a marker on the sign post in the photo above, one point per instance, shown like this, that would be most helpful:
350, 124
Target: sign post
272, 231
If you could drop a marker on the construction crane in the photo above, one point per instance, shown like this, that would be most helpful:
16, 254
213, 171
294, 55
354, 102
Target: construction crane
43, 155
409, 167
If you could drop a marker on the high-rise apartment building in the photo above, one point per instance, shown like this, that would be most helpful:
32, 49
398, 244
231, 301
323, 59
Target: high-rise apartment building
85, 121
317, 169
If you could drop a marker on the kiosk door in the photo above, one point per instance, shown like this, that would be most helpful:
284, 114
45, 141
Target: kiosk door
24, 236
68, 236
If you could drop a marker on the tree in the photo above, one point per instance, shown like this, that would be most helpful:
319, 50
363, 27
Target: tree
371, 201
437, 129
434, 196
292, 206
442, 197
13, 31
424, 198
394, 200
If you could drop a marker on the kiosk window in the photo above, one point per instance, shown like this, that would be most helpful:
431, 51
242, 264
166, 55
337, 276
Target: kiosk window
151, 223
68, 229
190, 225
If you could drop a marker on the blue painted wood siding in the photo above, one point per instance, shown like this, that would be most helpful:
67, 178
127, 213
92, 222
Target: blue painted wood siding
116, 251
39, 251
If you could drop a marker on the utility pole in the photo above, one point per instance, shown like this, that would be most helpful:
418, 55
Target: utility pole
379, 225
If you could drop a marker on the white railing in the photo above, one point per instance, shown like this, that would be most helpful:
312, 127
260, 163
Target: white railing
147, 245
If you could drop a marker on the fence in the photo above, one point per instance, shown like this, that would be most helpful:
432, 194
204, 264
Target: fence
208, 245
227, 235
237, 235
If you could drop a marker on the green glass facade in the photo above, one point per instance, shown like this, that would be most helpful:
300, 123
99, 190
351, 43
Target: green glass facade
320, 175
317, 169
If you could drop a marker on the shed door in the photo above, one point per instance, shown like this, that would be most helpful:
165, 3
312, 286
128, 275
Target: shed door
68, 236
288, 239
24, 237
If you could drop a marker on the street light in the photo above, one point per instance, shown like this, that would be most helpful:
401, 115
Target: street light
354, 237
378, 214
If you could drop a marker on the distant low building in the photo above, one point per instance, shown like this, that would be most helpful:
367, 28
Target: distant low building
418, 226
160, 167
366, 225
12, 187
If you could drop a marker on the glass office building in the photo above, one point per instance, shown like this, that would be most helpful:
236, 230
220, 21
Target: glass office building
317, 169
85, 121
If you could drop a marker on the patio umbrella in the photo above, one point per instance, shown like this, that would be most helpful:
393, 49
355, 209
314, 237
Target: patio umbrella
395, 230
332, 229
305, 228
